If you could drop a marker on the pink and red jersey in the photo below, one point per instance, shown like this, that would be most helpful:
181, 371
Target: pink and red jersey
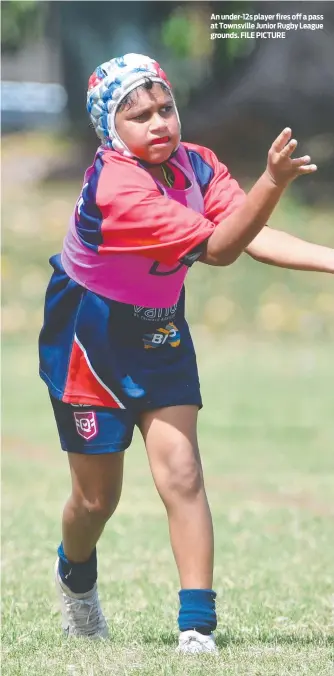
131, 238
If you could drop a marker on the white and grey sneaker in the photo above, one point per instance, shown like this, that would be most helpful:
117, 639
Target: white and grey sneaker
193, 642
81, 613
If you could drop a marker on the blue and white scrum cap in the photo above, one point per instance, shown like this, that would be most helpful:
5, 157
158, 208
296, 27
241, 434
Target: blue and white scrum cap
110, 83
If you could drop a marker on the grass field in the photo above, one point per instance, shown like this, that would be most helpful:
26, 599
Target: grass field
266, 435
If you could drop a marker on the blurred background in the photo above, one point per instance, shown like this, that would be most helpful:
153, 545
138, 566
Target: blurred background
233, 95
263, 336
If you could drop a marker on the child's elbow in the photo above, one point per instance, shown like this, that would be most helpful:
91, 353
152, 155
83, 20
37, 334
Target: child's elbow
220, 259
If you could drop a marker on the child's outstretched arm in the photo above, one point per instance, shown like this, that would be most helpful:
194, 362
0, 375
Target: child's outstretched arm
231, 237
275, 247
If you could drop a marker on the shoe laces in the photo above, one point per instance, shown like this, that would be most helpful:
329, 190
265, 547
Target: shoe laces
196, 641
85, 613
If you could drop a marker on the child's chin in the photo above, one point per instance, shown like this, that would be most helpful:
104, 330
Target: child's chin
159, 154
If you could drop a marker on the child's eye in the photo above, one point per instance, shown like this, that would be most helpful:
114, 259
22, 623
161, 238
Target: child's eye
141, 118
167, 109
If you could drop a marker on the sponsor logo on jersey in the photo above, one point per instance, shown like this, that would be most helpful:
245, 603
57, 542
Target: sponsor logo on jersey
168, 334
149, 314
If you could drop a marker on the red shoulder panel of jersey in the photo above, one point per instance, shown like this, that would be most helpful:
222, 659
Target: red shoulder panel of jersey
222, 194
138, 218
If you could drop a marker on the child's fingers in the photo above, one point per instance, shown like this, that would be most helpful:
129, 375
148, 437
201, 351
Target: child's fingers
300, 161
281, 140
307, 169
303, 165
289, 148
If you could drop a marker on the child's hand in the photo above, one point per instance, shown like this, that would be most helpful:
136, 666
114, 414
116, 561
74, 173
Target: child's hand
283, 169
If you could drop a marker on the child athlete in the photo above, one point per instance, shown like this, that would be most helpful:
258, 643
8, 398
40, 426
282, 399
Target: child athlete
115, 348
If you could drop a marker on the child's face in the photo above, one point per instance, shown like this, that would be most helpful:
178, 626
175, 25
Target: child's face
149, 126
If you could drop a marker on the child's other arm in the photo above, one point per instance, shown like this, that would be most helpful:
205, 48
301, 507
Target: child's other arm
231, 237
279, 248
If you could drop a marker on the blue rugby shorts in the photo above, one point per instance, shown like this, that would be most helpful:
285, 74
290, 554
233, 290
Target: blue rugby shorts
106, 362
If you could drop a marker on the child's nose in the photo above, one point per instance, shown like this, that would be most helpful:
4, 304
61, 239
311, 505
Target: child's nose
157, 123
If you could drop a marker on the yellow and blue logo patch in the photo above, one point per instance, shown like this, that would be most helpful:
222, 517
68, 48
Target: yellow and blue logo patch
167, 334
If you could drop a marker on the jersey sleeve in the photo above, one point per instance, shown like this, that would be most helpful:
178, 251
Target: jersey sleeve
222, 193
137, 218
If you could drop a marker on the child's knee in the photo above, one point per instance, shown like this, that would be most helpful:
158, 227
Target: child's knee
185, 479
98, 509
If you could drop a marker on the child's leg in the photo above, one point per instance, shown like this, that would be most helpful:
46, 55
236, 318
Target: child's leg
171, 443
96, 490
94, 439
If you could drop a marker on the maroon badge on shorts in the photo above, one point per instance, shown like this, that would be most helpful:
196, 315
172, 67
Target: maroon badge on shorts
86, 423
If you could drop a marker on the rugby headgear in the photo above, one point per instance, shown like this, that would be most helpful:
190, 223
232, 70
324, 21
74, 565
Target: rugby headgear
110, 83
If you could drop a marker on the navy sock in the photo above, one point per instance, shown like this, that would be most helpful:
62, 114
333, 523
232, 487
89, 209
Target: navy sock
78, 577
197, 610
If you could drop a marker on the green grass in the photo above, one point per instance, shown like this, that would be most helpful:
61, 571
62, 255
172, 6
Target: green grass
266, 436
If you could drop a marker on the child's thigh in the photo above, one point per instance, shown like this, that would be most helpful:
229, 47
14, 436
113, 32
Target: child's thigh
95, 439
97, 479
170, 436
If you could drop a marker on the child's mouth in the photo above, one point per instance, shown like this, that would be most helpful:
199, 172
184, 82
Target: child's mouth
159, 141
